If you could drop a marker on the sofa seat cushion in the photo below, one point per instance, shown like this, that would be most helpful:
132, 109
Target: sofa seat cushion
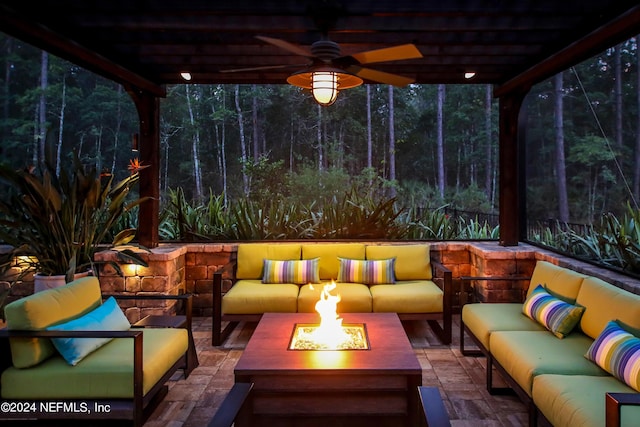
579, 400
255, 297
43, 309
105, 373
526, 354
407, 296
354, 298
483, 319
329, 253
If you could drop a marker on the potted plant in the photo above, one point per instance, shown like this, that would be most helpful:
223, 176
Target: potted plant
55, 224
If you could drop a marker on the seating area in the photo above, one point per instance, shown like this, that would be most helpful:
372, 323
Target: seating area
280, 278
570, 344
526, 375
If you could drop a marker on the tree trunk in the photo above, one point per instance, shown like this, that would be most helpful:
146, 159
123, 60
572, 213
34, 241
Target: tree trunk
7, 88
243, 146
488, 152
369, 139
254, 122
117, 131
63, 105
40, 158
320, 153
636, 176
440, 140
618, 94
563, 203
392, 145
195, 142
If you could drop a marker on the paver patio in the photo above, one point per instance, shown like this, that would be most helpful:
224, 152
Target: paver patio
194, 401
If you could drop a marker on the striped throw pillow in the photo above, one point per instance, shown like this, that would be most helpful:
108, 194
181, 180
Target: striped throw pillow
299, 272
554, 314
617, 352
369, 272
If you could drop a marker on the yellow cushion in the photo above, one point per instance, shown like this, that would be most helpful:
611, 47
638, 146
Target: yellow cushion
329, 253
561, 282
578, 400
409, 296
105, 373
484, 319
354, 298
412, 261
526, 354
43, 309
605, 302
252, 255
254, 297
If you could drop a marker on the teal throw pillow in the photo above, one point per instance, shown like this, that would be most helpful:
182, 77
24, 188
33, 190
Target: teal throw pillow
617, 352
554, 314
107, 317
369, 272
299, 272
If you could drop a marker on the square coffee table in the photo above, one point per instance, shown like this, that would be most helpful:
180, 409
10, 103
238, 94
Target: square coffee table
378, 386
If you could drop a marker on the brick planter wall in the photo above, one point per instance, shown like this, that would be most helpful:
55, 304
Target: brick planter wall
178, 268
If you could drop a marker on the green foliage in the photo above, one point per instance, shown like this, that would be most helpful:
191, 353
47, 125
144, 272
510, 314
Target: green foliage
60, 222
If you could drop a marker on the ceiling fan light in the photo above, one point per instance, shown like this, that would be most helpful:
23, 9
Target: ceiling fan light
324, 87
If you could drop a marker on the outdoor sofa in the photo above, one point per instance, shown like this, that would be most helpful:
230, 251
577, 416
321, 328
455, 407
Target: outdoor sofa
585, 372
99, 367
398, 278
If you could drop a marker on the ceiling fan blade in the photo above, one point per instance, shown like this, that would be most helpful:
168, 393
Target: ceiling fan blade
394, 53
298, 50
264, 67
380, 76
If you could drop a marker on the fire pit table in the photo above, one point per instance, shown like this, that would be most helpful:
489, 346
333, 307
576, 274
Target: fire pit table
362, 387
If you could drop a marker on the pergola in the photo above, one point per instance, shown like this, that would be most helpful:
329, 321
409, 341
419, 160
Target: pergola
146, 44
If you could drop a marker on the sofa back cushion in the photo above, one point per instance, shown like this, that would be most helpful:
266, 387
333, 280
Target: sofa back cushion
604, 302
412, 261
328, 253
251, 257
47, 308
558, 281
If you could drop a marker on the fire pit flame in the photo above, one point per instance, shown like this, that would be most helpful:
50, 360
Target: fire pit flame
330, 334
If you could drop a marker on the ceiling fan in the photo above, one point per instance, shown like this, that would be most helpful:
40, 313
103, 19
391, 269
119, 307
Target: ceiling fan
327, 71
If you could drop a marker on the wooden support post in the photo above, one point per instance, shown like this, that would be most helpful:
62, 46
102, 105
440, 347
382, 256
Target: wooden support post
148, 106
510, 169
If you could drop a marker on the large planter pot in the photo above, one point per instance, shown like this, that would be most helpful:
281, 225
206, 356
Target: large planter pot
42, 282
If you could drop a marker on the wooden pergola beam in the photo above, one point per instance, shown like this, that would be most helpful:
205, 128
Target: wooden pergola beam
616, 31
58, 45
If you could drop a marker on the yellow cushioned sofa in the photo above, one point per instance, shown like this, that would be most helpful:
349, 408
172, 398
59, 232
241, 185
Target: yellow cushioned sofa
573, 378
120, 373
408, 283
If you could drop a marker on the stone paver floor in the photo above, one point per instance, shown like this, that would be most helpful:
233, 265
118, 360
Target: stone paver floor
192, 402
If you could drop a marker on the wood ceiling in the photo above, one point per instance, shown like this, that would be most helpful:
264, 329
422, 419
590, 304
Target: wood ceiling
149, 42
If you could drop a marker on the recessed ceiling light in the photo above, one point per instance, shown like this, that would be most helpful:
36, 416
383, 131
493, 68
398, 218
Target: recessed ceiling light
469, 74
186, 75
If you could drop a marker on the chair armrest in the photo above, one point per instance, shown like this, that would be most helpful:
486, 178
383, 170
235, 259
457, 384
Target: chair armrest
613, 406
231, 405
136, 335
